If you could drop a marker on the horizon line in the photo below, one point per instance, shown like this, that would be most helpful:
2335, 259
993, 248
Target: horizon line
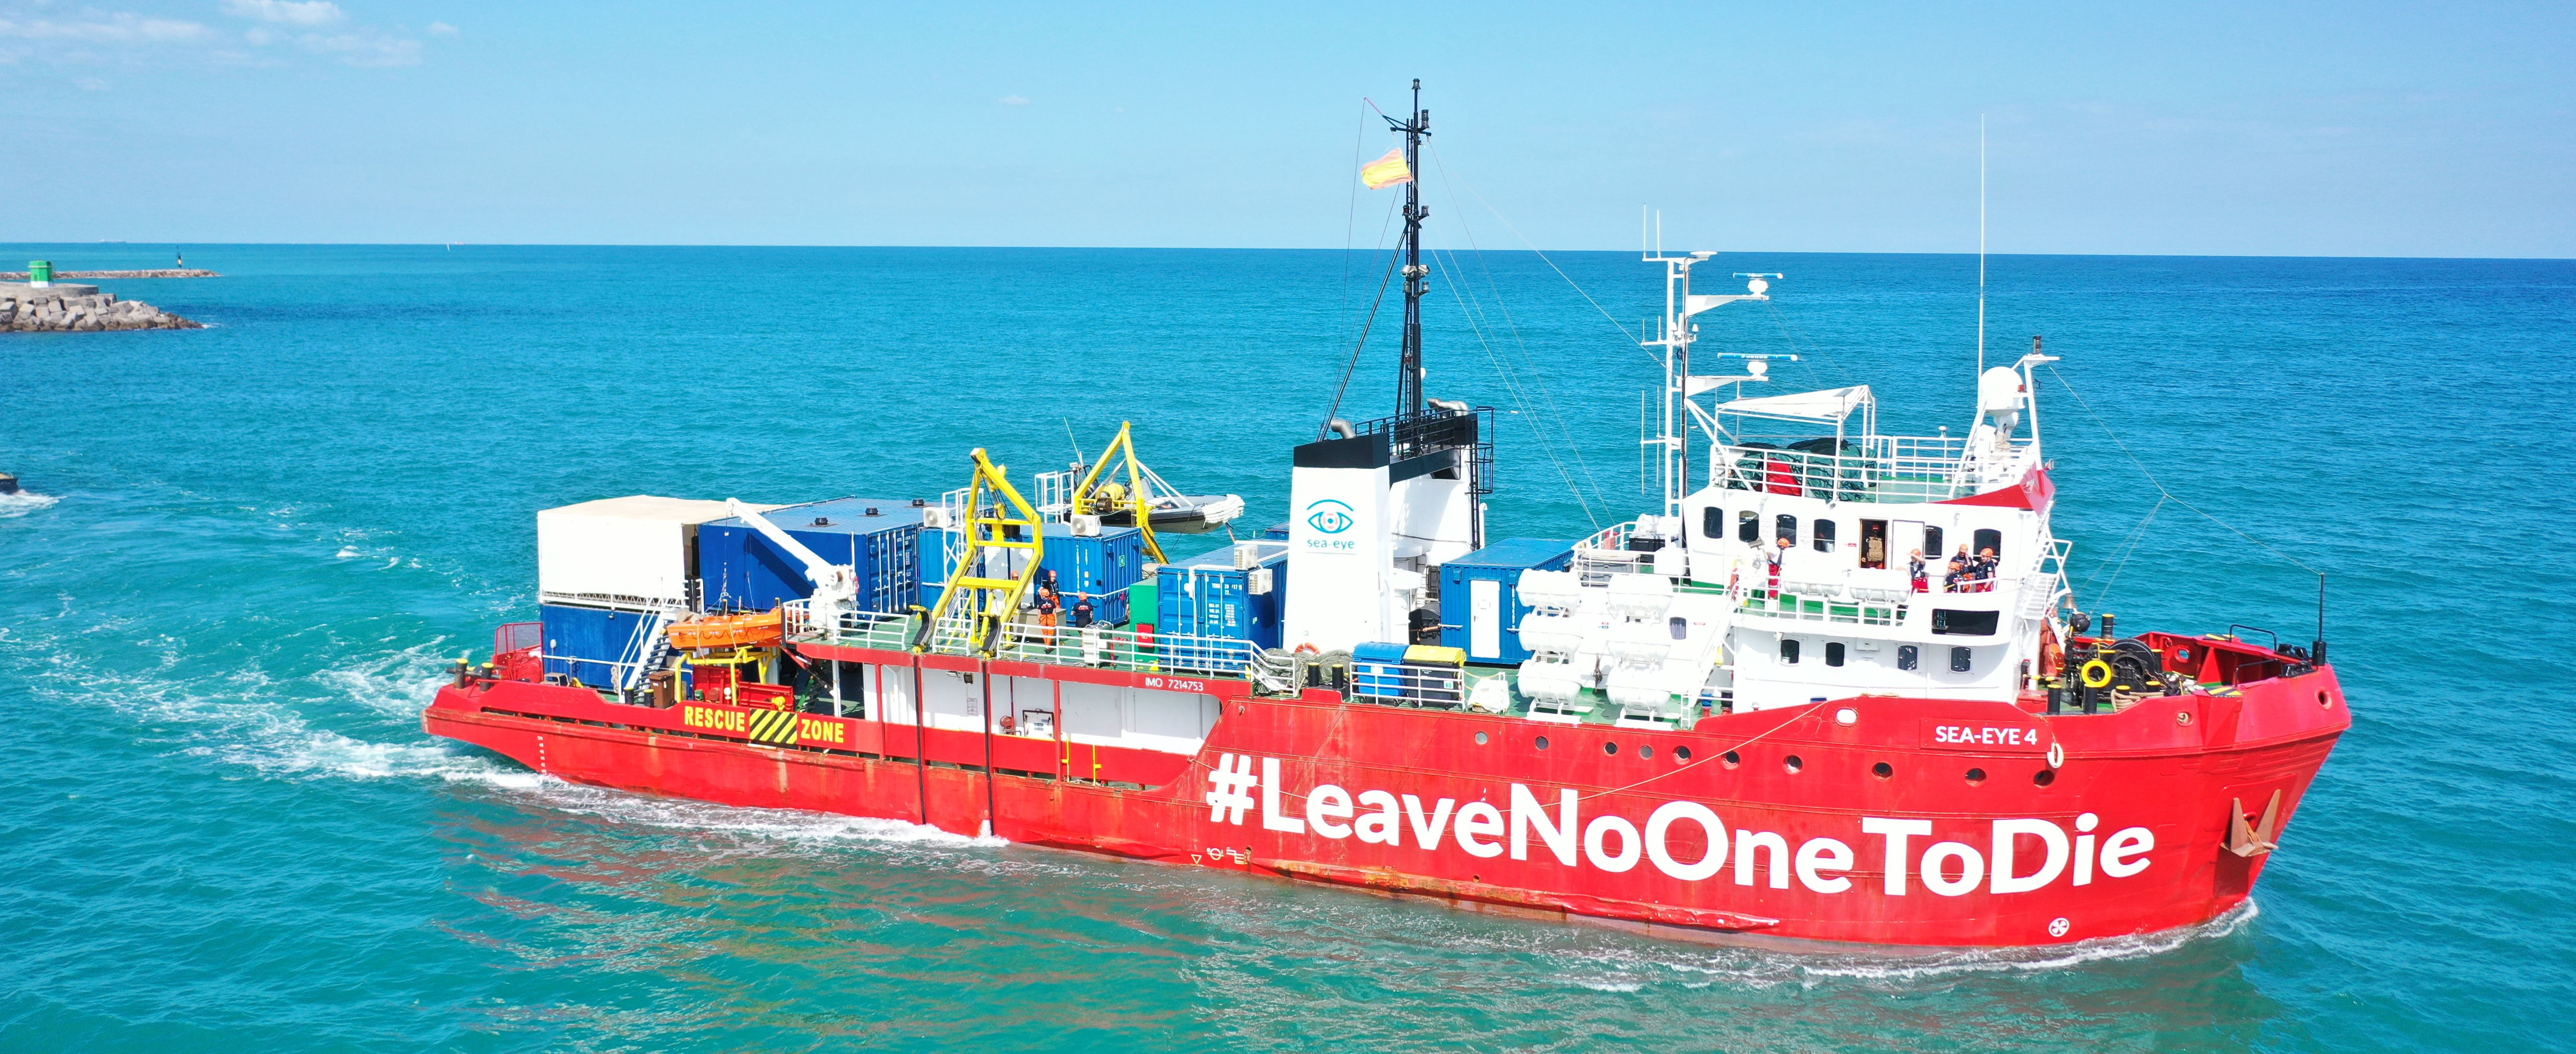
1237, 248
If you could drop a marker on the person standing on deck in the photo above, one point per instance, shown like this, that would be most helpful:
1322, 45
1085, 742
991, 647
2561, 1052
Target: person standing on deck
1774, 558
1956, 580
1914, 570
1049, 603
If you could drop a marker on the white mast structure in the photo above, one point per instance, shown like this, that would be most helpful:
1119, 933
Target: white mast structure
1675, 333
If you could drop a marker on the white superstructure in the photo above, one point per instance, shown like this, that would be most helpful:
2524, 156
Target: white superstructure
1782, 572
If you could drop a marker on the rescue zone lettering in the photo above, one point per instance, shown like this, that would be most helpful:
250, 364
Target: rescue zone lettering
808, 729
1614, 844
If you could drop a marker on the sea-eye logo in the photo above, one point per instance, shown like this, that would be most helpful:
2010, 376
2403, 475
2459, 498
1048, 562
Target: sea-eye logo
1329, 516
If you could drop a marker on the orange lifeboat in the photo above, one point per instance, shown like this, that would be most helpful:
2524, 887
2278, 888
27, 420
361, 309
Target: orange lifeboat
761, 630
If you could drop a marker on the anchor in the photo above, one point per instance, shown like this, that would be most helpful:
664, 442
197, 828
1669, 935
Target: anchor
2254, 839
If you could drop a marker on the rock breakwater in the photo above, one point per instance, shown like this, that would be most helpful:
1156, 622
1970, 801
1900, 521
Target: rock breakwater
166, 272
79, 308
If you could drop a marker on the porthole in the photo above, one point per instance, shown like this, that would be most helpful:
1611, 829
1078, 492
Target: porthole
1609, 748
1681, 754
1480, 739
1882, 770
1731, 759
1976, 775
1646, 751
1793, 763
2044, 777
1540, 742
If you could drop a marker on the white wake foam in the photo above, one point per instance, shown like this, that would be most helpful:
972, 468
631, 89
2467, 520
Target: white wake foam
19, 504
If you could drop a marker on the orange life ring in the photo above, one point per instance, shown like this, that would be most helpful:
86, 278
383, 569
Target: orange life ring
1306, 649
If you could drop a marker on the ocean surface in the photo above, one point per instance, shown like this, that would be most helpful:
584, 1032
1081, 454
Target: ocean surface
245, 553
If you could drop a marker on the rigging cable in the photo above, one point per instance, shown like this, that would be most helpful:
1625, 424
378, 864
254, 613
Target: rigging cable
1560, 272
2159, 484
1529, 363
1358, 347
1449, 274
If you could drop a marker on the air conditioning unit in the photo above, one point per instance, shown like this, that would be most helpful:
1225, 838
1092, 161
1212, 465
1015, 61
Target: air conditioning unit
1086, 526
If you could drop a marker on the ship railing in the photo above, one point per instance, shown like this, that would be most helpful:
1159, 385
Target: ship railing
1026, 640
618, 601
1102, 647
1751, 595
1875, 468
890, 631
1606, 553
1408, 684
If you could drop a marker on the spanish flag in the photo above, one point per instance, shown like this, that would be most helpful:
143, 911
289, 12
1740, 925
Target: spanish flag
1386, 171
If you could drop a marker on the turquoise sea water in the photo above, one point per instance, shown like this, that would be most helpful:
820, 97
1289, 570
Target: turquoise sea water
249, 549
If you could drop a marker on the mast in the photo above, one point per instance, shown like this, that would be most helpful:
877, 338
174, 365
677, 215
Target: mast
1408, 390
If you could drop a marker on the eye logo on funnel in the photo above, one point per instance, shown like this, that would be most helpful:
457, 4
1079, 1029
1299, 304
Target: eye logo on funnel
1329, 516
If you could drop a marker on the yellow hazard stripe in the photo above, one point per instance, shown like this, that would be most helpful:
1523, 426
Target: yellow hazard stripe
774, 726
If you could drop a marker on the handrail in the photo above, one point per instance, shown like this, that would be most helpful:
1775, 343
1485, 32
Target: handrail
1101, 647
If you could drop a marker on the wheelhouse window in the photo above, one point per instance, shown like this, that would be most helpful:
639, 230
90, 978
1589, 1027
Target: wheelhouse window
1965, 623
1833, 653
1932, 544
1789, 650
1712, 523
1748, 527
1989, 541
1824, 536
1785, 526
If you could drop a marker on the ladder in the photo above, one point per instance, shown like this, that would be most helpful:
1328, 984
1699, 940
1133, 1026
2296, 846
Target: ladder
988, 602
656, 648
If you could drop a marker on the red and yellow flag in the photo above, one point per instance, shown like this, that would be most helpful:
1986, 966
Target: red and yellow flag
1386, 171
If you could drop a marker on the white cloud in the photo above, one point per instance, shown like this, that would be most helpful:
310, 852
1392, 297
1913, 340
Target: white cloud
91, 84
441, 29
1015, 100
364, 48
290, 12
107, 29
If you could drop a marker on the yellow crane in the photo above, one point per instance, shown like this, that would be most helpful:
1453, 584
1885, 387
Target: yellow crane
989, 602
1094, 496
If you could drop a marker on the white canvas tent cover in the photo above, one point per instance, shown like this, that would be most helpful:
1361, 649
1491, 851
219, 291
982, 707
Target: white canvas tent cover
1831, 405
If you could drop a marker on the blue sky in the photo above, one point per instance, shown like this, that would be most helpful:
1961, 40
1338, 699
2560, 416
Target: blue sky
2326, 129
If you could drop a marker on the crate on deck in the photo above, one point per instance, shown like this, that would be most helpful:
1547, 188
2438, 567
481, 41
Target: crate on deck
1101, 567
1234, 593
1480, 608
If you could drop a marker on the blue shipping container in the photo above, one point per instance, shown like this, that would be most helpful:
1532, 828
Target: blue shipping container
588, 644
1480, 608
1208, 596
1100, 567
743, 571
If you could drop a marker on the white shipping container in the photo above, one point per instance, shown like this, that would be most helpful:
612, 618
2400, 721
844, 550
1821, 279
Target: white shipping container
634, 547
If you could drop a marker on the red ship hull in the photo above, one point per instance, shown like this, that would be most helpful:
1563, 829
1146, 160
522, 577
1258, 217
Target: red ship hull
1847, 821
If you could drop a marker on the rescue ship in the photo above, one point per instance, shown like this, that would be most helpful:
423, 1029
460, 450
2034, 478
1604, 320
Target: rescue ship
1833, 688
